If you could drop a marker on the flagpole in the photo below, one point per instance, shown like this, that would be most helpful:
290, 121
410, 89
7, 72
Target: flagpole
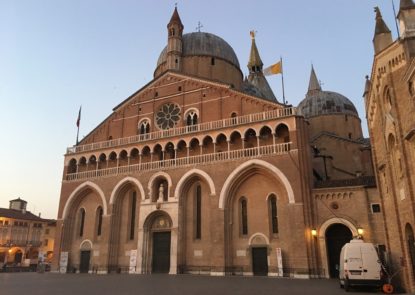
78, 123
77, 136
282, 81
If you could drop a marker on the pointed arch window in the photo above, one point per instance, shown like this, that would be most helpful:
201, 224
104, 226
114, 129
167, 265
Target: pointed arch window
99, 221
144, 127
198, 212
191, 119
81, 221
273, 214
243, 208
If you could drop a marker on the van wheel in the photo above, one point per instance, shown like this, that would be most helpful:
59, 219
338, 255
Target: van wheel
346, 285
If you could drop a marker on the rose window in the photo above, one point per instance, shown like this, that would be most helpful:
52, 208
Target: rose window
168, 116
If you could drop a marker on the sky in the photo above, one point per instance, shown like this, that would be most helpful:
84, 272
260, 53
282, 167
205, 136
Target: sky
56, 55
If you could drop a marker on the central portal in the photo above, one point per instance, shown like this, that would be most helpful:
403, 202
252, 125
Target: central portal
161, 252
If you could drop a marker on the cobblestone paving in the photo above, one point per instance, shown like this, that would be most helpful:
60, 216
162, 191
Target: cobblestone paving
49, 283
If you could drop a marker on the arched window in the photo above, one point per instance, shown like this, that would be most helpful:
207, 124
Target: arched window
198, 212
388, 100
273, 214
234, 119
132, 217
244, 216
81, 221
99, 221
72, 166
282, 133
144, 127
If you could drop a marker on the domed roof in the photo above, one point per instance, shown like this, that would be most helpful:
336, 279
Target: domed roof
326, 103
318, 102
201, 43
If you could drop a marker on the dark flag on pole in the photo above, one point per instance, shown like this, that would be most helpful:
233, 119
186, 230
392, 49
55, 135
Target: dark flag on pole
78, 122
79, 117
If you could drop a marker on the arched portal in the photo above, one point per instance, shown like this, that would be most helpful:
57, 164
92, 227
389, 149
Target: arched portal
18, 255
157, 243
125, 199
336, 236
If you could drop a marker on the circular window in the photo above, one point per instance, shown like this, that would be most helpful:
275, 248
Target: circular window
334, 205
168, 116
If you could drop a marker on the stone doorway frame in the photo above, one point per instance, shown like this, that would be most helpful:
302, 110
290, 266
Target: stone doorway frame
322, 239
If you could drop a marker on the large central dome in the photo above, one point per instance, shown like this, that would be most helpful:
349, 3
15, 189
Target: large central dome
204, 44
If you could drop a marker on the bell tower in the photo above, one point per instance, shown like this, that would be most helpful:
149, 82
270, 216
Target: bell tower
174, 42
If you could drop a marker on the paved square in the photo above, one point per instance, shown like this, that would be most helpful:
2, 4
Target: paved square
48, 283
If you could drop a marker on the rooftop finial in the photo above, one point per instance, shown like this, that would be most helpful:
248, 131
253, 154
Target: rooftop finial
377, 10
199, 26
253, 34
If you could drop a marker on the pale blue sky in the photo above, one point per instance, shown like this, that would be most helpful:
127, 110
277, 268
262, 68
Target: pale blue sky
56, 55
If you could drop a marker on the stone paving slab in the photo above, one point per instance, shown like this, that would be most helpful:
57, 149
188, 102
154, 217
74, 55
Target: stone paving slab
70, 284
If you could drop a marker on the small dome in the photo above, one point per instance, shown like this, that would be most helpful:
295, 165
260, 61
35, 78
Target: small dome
205, 44
326, 103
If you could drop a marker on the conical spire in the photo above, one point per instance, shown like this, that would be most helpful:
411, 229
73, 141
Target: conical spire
381, 26
383, 36
314, 85
175, 19
255, 63
406, 4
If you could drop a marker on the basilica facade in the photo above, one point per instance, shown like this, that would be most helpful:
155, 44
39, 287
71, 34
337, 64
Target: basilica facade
205, 171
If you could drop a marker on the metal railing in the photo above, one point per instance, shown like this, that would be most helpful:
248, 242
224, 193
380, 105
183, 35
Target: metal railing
281, 148
213, 125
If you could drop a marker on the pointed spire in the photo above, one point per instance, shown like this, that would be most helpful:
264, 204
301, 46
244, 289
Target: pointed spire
175, 18
381, 26
406, 4
314, 85
255, 63
383, 36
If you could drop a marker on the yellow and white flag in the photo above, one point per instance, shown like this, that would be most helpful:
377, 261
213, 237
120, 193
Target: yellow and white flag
274, 69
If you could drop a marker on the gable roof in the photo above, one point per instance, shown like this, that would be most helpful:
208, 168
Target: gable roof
181, 75
17, 214
361, 141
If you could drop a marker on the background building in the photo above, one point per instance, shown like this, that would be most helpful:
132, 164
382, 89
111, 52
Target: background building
203, 170
22, 236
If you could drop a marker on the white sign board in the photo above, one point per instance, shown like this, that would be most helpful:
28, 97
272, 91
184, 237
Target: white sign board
279, 262
133, 261
63, 262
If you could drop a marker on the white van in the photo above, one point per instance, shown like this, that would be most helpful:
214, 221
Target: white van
359, 265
